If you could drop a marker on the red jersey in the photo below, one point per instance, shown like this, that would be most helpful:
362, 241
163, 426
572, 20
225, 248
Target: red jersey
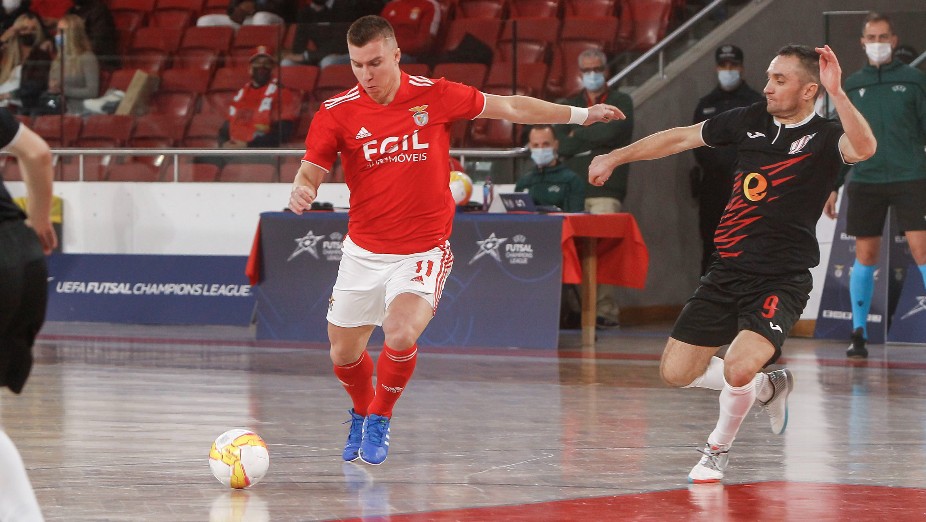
254, 109
395, 160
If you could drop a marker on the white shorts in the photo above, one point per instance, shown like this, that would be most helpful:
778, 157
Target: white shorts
367, 282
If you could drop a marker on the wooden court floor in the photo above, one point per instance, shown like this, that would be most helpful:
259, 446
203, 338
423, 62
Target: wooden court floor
116, 422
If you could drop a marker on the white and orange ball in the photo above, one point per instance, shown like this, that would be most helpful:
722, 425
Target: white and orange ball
461, 186
239, 458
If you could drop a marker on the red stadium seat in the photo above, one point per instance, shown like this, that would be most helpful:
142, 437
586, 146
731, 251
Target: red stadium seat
416, 69
158, 126
58, 130
132, 172
229, 79
472, 74
650, 22
150, 61
250, 36
590, 7
128, 20
198, 173
333, 80
527, 51
300, 78
216, 38
248, 173
485, 30
524, 8
215, 7
10, 170
132, 5
494, 133
216, 103
531, 78
165, 39
288, 168
544, 29
178, 104
184, 80
203, 131
197, 58
193, 5
121, 78
171, 18
483, 9
601, 31
108, 128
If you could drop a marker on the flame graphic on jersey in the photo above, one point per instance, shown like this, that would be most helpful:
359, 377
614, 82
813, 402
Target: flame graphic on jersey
748, 190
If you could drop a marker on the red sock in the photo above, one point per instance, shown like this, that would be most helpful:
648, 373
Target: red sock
393, 371
357, 379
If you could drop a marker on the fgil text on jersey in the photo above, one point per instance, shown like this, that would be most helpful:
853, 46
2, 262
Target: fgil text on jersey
382, 151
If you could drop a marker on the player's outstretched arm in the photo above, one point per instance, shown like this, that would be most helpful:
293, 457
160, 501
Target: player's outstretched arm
305, 187
524, 109
34, 156
858, 143
658, 145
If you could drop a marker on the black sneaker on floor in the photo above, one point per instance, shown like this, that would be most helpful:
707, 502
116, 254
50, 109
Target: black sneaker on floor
603, 323
857, 349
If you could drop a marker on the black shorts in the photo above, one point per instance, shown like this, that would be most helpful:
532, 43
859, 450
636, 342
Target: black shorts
729, 301
869, 203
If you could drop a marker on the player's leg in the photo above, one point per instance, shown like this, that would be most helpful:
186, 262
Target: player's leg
355, 307
17, 499
910, 204
413, 290
867, 209
917, 241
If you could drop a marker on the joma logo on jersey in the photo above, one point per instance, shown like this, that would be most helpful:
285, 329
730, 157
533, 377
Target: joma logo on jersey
392, 144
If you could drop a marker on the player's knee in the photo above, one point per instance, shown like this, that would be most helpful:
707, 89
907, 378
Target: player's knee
738, 375
674, 376
340, 356
400, 337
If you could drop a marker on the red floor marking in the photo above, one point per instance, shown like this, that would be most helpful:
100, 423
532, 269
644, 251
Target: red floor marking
715, 502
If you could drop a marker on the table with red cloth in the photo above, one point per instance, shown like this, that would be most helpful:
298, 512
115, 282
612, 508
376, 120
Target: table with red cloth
596, 248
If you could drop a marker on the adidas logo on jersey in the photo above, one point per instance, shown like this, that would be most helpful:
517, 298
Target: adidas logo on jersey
364, 133
417, 279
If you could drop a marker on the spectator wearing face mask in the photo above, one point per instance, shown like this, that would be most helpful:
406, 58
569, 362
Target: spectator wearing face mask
256, 115
712, 178
578, 145
550, 183
24, 64
80, 78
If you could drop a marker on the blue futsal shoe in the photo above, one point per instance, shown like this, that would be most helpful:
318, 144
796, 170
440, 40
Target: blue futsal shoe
354, 436
375, 444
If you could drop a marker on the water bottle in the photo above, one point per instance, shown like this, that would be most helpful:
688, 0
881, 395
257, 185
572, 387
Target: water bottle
488, 194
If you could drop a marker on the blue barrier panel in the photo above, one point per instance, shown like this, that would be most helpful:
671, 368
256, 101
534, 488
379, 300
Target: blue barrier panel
149, 289
504, 289
909, 321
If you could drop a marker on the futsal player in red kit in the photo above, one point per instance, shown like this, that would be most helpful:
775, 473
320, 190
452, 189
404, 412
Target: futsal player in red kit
393, 133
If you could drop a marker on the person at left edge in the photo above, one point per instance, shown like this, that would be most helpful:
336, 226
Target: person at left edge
393, 133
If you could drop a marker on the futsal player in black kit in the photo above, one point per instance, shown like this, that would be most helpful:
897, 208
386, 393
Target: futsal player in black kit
759, 280
24, 242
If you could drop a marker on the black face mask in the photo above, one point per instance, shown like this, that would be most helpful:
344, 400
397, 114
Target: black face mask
27, 39
260, 76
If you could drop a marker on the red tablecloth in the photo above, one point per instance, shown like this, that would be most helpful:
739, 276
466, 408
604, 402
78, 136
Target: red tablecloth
623, 259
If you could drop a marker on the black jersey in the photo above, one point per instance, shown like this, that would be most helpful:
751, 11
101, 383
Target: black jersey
783, 177
9, 127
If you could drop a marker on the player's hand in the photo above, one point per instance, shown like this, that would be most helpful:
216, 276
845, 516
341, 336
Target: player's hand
46, 233
301, 198
830, 208
830, 71
601, 168
603, 112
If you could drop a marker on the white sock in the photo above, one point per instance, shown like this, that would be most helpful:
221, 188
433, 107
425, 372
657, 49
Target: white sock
734, 405
17, 500
764, 390
712, 378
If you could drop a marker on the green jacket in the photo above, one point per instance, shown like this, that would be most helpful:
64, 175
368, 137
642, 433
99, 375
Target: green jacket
556, 185
893, 100
578, 145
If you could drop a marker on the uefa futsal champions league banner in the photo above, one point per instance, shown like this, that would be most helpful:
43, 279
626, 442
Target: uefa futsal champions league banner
504, 289
895, 295
149, 289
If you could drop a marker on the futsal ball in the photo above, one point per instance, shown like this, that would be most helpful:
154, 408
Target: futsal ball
461, 186
239, 458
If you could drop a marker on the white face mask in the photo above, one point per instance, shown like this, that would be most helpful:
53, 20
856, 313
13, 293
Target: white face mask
878, 53
593, 81
729, 80
543, 156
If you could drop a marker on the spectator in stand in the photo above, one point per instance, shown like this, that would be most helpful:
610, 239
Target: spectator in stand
75, 71
323, 24
416, 23
24, 64
101, 28
255, 117
10, 11
252, 12
579, 145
